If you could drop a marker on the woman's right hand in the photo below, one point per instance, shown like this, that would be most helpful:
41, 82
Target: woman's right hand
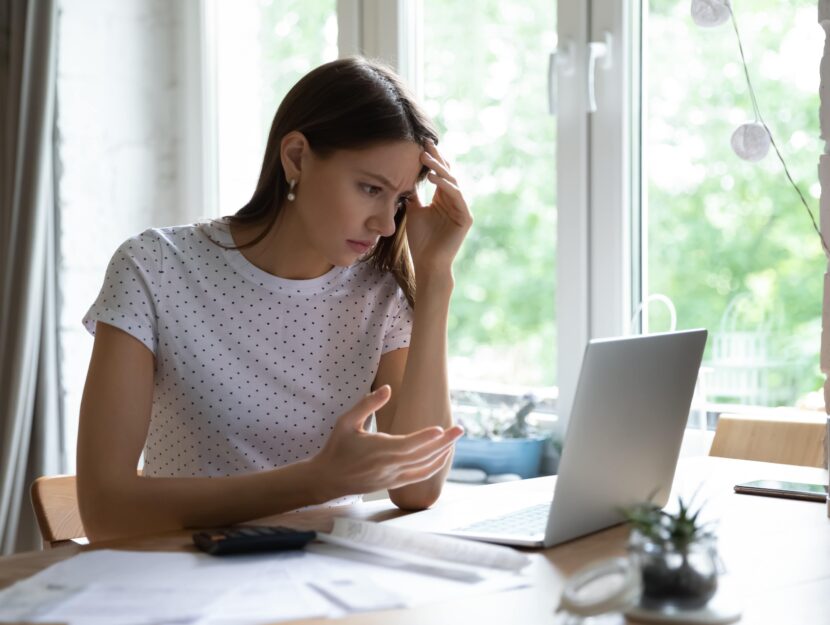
354, 461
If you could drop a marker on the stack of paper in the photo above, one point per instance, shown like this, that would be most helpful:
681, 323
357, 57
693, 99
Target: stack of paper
436, 555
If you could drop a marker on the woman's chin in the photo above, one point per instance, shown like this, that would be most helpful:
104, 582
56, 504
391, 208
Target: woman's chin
347, 260
350, 258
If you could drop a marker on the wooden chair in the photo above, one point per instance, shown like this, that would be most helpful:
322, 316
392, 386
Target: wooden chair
55, 501
786, 439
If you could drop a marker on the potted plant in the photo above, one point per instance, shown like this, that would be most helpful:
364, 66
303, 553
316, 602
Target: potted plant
499, 439
676, 555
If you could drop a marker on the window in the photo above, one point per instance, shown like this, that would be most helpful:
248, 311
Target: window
485, 84
726, 240
262, 47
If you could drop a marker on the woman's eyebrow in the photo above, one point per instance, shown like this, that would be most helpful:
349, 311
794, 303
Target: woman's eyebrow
383, 180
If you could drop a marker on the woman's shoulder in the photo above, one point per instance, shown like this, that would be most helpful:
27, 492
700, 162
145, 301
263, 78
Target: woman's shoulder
152, 246
175, 237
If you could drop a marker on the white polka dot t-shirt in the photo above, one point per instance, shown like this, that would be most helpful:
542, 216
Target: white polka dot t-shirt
252, 370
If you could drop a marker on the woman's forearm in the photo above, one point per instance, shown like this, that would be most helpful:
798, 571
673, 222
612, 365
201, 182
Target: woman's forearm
424, 397
149, 505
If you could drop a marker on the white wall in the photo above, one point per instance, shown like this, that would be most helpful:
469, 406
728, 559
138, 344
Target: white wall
119, 144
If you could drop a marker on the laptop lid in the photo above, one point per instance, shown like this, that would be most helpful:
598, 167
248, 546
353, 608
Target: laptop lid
625, 430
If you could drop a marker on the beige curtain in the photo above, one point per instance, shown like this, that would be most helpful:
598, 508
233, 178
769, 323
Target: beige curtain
30, 437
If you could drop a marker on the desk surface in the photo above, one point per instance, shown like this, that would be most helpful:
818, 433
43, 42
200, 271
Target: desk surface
777, 551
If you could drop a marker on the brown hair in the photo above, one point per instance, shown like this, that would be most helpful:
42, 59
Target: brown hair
351, 103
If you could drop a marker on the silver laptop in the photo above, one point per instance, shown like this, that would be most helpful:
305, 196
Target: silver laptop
629, 413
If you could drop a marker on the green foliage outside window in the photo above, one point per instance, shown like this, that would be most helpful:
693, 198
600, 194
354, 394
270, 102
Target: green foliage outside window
295, 36
720, 227
485, 81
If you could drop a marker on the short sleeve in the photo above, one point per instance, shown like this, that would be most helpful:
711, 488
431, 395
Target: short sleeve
399, 329
126, 299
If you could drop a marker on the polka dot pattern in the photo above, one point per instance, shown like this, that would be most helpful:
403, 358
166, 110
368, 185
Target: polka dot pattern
252, 370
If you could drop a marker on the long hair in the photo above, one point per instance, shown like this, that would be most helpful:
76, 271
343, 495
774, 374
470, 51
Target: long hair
351, 103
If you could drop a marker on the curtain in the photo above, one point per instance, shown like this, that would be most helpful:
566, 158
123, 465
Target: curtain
30, 420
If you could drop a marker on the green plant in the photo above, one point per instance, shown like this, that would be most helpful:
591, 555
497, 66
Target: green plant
677, 530
500, 421
676, 555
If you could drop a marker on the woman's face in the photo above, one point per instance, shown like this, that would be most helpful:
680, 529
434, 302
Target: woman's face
348, 200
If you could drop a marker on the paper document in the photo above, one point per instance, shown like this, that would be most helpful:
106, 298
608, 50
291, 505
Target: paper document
105, 587
102, 603
388, 540
137, 588
358, 595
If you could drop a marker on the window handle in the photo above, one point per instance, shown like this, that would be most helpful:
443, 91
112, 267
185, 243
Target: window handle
597, 51
562, 59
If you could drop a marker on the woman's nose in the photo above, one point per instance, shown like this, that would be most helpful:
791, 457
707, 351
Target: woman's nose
383, 222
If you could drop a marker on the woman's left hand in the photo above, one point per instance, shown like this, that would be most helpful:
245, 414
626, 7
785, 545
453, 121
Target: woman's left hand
435, 231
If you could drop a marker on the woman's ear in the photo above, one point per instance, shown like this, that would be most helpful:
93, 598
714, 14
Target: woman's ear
292, 148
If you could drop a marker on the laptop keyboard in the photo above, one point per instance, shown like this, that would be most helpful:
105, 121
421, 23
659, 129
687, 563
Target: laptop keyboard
531, 520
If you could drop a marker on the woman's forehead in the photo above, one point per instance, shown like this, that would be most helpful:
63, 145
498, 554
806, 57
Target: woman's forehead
398, 162
392, 152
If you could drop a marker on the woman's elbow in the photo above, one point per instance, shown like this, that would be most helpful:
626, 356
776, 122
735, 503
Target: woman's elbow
415, 496
101, 506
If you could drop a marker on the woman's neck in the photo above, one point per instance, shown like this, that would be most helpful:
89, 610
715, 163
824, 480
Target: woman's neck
284, 251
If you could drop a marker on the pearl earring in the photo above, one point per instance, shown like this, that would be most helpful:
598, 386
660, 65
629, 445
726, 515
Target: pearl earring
291, 196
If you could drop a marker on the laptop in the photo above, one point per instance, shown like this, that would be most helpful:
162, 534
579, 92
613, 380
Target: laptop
625, 430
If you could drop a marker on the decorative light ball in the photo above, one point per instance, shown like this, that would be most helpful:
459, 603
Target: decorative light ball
751, 141
710, 13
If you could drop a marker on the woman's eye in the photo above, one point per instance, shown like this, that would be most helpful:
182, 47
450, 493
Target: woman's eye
371, 189
402, 203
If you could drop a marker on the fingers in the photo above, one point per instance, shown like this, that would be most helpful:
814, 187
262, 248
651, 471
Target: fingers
360, 412
430, 147
426, 455
437, 166
406, 447
441, 177
458, 211
423, 454
421, 473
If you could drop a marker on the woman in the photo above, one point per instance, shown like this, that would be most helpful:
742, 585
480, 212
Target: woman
238, 354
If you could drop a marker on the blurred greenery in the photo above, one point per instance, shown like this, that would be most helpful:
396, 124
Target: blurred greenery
720, 227
485, 85
295, 36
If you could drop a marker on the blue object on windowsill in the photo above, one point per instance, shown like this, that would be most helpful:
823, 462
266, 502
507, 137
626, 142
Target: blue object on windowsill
522, 456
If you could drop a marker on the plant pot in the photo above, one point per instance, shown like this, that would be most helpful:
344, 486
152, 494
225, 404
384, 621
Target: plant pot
683, 577
522, 456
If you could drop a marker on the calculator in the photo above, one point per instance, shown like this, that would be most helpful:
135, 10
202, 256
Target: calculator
251, 539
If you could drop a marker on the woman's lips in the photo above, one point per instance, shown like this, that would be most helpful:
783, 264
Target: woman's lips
359, 246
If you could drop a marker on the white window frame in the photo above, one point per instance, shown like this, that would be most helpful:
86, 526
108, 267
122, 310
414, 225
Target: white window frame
610, 149
573, 259
198, 162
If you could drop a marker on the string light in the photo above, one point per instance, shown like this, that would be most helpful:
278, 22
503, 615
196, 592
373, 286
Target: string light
751, 140
710, 13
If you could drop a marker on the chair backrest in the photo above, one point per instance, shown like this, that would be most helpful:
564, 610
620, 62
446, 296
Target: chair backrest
787, 439
55, 502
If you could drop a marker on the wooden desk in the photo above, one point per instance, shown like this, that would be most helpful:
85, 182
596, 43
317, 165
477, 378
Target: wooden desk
776, 550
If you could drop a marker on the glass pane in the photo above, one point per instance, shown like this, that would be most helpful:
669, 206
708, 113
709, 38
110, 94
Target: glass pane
728, 240
262, 48
485, 69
